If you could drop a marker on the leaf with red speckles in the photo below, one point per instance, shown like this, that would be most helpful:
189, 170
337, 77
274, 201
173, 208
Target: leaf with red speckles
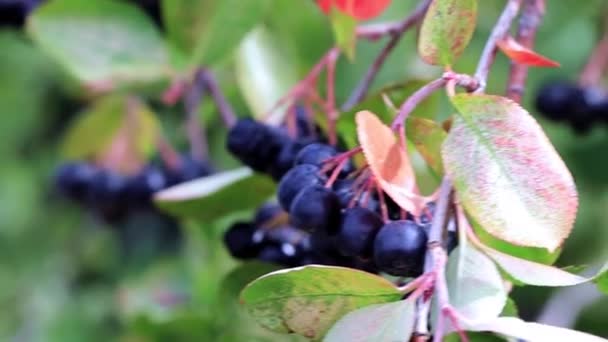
507, 175
388, 161
446, 30
358, 9
522, 55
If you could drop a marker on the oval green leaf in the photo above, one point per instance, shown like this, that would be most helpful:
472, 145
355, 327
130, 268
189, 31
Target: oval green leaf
101, 41
506, 173
446, 30
379, 322
309, 300
265, 71
224, 27
93, 130
475, 286
428, 136
212, 197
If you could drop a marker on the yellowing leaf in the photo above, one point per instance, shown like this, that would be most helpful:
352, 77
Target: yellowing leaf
388, 161
309, 300
446, 30
506, 173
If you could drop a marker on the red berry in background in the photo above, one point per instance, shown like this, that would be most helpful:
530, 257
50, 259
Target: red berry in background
359, 9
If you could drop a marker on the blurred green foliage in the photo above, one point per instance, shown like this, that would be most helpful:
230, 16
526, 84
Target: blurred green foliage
64, 276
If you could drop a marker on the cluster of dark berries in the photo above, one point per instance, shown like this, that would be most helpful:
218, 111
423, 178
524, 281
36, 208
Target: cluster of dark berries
582, 107
329, 217
112, 195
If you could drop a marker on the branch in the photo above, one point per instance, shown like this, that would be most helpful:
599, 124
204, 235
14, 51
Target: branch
597, 63
410, 104
489, 51
194, 129
396, 31
440, 220
225, 109
533, 11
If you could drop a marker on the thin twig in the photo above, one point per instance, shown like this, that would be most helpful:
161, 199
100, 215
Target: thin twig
396, 32
410, 104
532, 14
489, 51
440, 219
194, 126
225, 109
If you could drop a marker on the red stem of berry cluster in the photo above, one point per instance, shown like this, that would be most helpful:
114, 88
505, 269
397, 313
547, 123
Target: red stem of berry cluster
410, 104
225, 109
194, 126
597, 63
532, 14
489, 51
395, 31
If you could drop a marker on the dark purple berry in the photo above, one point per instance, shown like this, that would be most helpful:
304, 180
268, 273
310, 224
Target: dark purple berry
357, 231
255, 144
266, 213
142, 186
298, 178
399, 248
73, 180
108, 194
286, 157
345, 191
315, 154
560, 100
315, 208
239, 241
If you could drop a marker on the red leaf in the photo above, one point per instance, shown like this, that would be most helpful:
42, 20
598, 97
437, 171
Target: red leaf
522, 55
359, 9
388, 161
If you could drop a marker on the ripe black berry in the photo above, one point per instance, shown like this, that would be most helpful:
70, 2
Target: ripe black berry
239, 241
255, 144
315, 208
560, 100
188, 170
286, 157
357, 231
399, 248
74, 179
108, 194
142, 186
345, 191
266, 213
315, 154
298, 178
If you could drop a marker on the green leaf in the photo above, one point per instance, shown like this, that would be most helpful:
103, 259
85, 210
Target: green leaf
446, 30
94, 129
104, 42
225, 27
602, 279
309, 300
427, 136
528, 331
265, 72
510, 309
212, 197
184, 20
475, 286
243, 274
379, 322
345, 32
506, 173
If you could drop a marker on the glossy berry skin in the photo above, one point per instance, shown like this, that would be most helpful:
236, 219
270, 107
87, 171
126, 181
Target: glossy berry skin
399, 248
357, 231
108, 194
285, 159
255, 144
560, 100
315, 208
315, 154
189, 169
298, 178
73, 180
142, 186
345, 191
239, 241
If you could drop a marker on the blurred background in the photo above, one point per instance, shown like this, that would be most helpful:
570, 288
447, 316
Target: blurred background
69, 274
